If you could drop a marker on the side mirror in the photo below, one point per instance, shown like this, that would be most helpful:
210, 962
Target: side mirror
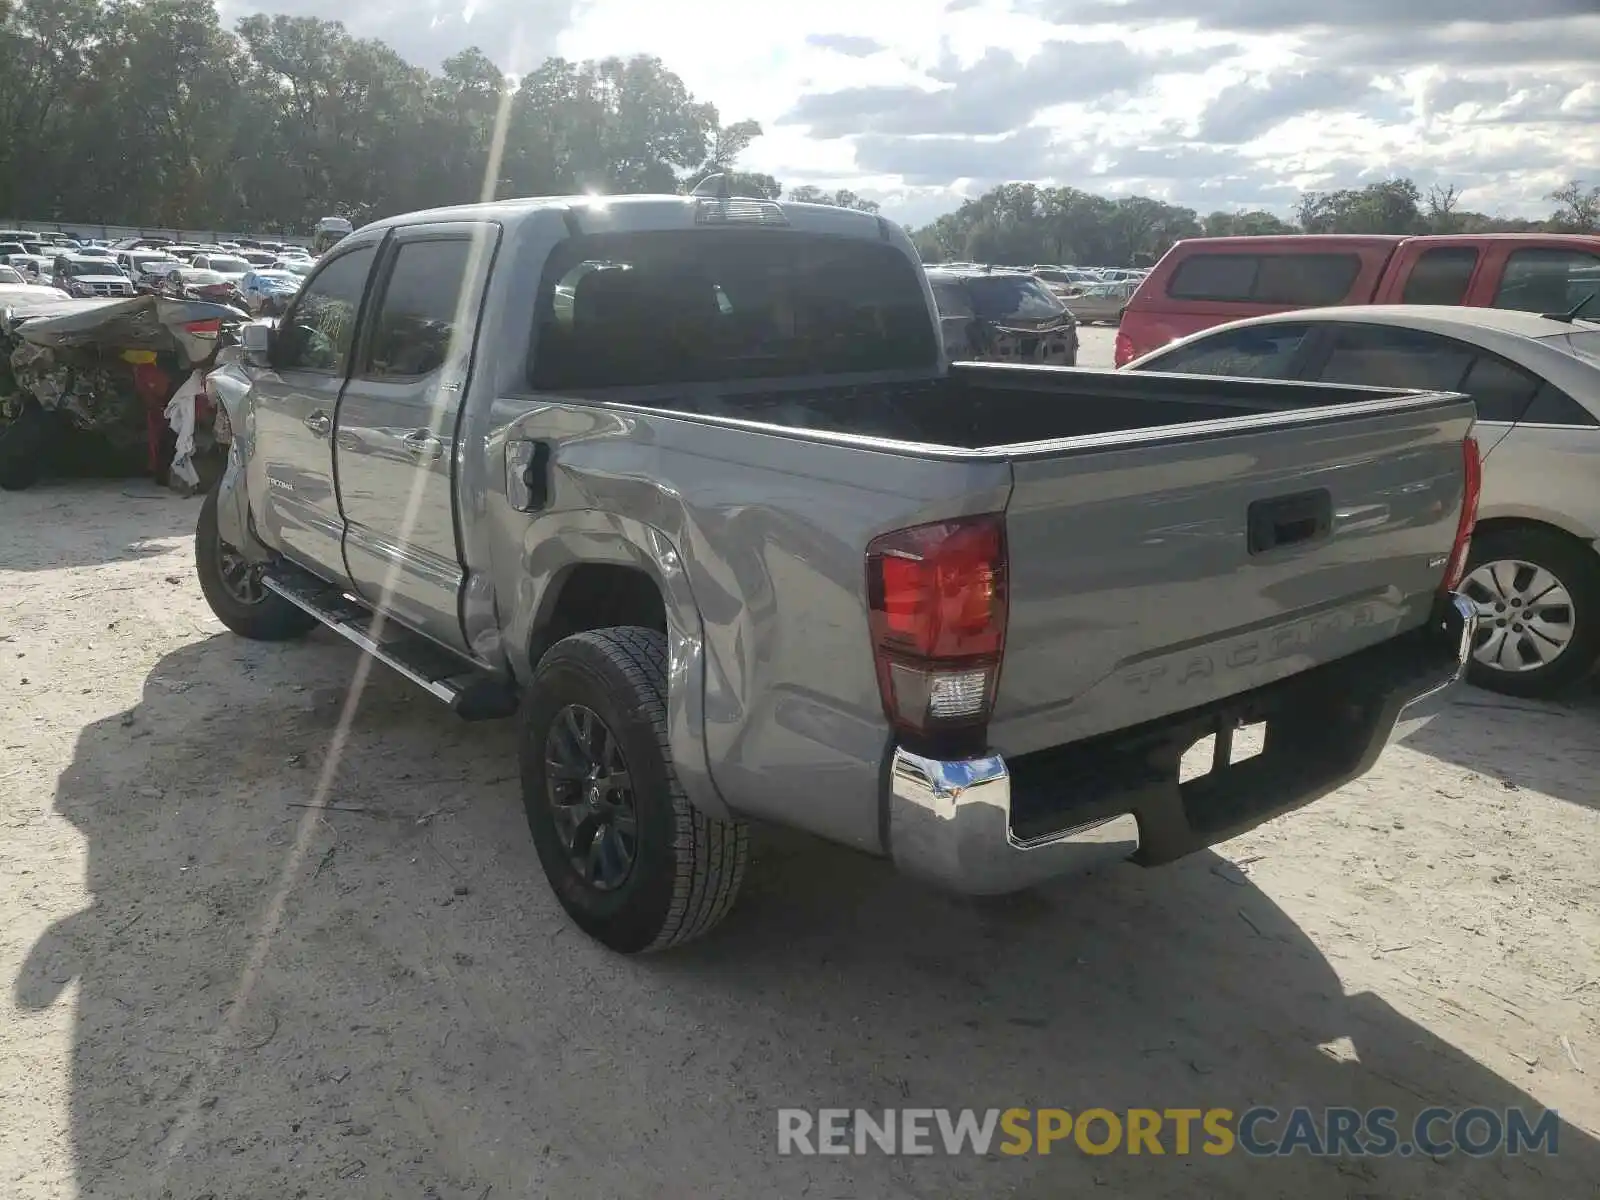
256, 341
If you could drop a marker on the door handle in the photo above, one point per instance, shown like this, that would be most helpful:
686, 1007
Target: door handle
319, 423
422, 444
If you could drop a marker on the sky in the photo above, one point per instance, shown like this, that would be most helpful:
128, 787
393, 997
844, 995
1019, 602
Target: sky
922, 103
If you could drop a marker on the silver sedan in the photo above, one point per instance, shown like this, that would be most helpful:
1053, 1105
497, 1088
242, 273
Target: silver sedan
1534, 571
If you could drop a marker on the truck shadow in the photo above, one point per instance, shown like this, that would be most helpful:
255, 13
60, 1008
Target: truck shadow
1550, 746
383, 999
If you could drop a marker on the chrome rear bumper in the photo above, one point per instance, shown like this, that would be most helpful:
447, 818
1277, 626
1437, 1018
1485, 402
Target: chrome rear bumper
950, 823
950, 820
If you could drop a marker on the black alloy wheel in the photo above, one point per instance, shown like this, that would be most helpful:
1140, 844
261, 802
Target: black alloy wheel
590, 793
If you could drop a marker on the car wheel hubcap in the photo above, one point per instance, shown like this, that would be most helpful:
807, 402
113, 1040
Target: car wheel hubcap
591, 797
1525, 618
240, 577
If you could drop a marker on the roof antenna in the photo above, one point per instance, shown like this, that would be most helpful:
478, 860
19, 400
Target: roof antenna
712, 185
1571, 314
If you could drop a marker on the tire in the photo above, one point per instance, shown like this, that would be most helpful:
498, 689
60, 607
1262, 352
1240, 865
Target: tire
269, 618
25, 446
686, 867
1574, 567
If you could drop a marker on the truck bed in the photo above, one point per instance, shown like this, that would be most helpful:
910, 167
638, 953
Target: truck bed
998, 406
1140, 584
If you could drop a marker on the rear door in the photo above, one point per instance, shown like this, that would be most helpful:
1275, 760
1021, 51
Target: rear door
1141, 583
396, 426
294, 401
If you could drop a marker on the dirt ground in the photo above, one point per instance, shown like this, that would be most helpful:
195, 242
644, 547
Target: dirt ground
211, 992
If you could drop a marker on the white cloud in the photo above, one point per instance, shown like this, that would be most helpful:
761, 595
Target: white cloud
923, 102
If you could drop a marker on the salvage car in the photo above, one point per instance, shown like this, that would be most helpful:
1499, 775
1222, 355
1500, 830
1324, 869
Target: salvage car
199, 283
16, 289
266, 291
739, 543
1100, 303
88, 277
91, 383
989, 315
147, 268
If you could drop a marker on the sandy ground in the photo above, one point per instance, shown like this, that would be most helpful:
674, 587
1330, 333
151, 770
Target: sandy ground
1097, 345
211, 992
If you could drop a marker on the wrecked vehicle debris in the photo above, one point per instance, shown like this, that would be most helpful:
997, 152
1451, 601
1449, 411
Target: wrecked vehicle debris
95, 386
988, 315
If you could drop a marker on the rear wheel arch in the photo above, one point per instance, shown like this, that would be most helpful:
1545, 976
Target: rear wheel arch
1516, 522
598, 595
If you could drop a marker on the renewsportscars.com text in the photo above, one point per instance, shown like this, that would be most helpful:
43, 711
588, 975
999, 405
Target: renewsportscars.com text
1258, 1132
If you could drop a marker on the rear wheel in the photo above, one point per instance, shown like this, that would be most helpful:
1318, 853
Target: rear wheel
233, 587
1537, 592
634, 864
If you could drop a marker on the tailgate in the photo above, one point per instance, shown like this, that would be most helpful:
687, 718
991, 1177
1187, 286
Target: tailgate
1156, 571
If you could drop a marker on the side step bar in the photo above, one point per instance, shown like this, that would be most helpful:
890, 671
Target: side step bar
471, 692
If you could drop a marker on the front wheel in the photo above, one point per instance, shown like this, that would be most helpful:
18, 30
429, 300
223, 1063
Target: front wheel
634, 864
1537, 592
233, 588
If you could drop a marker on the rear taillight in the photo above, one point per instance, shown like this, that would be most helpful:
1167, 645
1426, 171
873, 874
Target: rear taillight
1124, 350
937, 598
1472, 489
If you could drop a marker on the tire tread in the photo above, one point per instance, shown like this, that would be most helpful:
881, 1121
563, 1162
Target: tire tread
710, 855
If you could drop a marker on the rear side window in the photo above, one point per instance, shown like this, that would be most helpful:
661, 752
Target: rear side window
1547, 279
1258, 352
684, 306
1501, 390
1303, 280
1440, 276
1379, 356
1552, 406
416, 318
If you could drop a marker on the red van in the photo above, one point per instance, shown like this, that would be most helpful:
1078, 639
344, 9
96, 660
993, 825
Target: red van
1208, 281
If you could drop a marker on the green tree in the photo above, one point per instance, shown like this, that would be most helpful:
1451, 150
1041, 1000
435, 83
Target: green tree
1254, 223
841, 198
1577, 208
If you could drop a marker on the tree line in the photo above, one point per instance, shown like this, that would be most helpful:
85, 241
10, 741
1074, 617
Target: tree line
151, 112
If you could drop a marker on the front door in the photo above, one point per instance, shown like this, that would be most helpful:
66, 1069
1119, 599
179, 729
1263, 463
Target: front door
294, 401
395, 434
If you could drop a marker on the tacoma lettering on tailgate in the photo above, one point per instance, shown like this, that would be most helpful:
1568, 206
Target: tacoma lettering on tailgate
1282, 642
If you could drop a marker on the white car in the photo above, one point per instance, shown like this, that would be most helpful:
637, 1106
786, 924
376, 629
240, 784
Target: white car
35, 268
90, 277
1534, 569
16, 291
230, 265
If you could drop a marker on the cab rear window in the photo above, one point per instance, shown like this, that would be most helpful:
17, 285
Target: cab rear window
674, 307
1300, 280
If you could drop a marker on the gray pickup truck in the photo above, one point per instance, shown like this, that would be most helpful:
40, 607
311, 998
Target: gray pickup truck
685, 482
